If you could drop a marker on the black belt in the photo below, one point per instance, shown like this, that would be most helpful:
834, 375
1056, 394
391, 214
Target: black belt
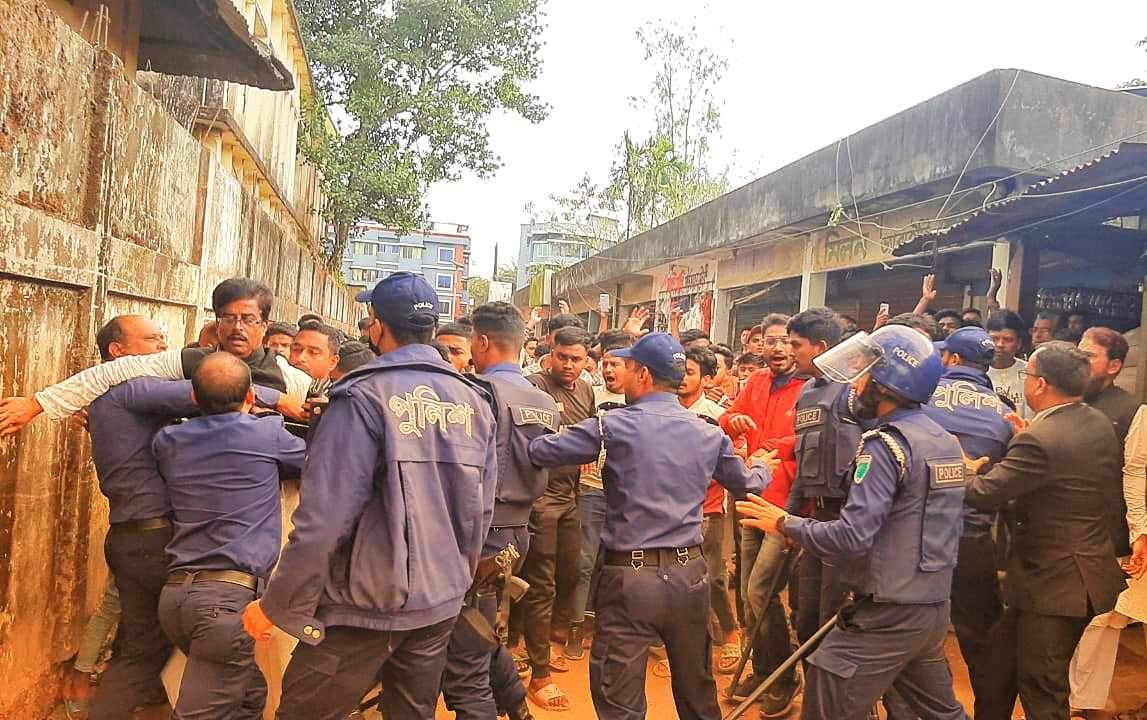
652, 557
235, 577
138, 526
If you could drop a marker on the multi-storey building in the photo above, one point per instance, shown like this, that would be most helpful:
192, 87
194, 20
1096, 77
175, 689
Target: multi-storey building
557, 245
441, 253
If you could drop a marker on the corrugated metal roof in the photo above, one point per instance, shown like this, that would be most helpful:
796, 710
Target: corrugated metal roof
1111, 185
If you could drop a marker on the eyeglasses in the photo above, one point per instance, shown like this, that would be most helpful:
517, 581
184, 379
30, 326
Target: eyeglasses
233, 320
1025, 374
776, 341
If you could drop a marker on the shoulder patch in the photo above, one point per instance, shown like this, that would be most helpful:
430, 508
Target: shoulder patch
809, 417
527, 415
863, 462
945, 474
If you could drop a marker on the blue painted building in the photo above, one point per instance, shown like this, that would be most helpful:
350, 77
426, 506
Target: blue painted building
440, 253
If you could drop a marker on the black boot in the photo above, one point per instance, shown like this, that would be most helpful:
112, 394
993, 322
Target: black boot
573, 649
521, 712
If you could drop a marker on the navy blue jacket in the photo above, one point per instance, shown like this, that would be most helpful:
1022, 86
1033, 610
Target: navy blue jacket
222, 474
827, 435
898, 533
966, 405
659, 460
395, 501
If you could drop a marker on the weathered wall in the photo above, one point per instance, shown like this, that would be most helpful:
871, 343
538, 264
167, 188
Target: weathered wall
107, 205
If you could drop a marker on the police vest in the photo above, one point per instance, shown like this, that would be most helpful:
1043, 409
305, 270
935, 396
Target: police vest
523, 413
912, 557
825, 443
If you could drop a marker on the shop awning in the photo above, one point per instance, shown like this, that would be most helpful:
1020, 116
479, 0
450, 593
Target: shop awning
1110, 186
208, 38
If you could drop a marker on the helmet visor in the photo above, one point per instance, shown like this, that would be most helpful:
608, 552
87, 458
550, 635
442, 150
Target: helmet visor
850, 359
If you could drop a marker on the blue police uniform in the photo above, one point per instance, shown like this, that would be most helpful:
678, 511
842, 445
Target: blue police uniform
122, 424
395, 502
826, 443
894, 544
222, 474
652, 573
965, 404
479, 681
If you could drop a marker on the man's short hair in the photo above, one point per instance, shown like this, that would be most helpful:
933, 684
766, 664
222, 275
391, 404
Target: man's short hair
705, 359
334, 336
309, 317
221, 383
775, 319
949, 313
454, 328
919, 323
111, 332
1048, 315
816, 325
240, 288
1007, 320
564, 320
352, 355
281, 328
726, 352
848, 325
974, 311
442, 349
569, 336
751, 359
1110, 340
501, 322
541, 349
756, 330
467, 322
689, 336
614, 340
1064, 366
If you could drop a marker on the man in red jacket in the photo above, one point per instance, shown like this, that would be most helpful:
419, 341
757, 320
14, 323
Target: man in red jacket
762, 417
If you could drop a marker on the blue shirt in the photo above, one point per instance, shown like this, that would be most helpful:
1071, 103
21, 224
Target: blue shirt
966, 405
222, 474
510, 372
659, 459
122, 423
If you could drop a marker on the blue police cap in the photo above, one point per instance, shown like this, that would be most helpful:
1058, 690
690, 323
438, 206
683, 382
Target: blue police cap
403, 299
659, 352
971, 343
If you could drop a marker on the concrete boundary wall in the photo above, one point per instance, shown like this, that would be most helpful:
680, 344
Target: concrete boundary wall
107, 205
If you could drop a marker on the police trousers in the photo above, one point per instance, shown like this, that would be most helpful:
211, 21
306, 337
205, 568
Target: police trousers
138, 565
478, 682
819, 592
327, 681
875, 647
636, 608
551, 568
977, 613
221, 680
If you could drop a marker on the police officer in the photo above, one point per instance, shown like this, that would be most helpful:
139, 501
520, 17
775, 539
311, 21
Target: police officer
480, 681
652, 582
826, 442
222, 475
896, 537
965, 405
395, 503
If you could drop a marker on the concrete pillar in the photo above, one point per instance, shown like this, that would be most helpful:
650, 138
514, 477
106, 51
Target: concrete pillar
813, 289
721, 312
1001, 260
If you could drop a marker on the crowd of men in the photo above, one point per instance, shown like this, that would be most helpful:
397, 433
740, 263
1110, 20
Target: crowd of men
481, 499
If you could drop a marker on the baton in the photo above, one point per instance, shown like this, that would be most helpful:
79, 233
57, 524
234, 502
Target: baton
784, 667
778, 578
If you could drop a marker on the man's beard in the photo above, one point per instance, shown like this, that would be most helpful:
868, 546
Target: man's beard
865, 403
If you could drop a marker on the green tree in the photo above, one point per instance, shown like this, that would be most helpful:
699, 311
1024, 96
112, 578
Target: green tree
412, 84
479, 289
507, 272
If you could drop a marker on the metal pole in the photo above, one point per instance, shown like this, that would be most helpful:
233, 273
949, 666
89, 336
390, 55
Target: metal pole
785, 666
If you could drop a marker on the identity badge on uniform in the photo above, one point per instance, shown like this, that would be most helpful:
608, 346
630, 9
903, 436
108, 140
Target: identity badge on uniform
863, 462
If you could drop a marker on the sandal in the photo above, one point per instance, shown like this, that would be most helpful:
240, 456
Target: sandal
661, 669
729, 658
558, 663
545, 696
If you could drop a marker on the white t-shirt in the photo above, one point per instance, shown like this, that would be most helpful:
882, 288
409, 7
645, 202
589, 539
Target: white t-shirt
1009, 383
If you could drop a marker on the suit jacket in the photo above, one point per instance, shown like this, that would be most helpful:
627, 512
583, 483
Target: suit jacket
1061, 560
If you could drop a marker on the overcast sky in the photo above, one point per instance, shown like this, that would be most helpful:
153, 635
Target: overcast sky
801, 75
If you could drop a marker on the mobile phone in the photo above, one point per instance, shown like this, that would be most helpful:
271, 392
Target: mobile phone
883, 309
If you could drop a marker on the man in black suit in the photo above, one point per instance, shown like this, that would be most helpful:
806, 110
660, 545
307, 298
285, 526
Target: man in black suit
1062, 568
